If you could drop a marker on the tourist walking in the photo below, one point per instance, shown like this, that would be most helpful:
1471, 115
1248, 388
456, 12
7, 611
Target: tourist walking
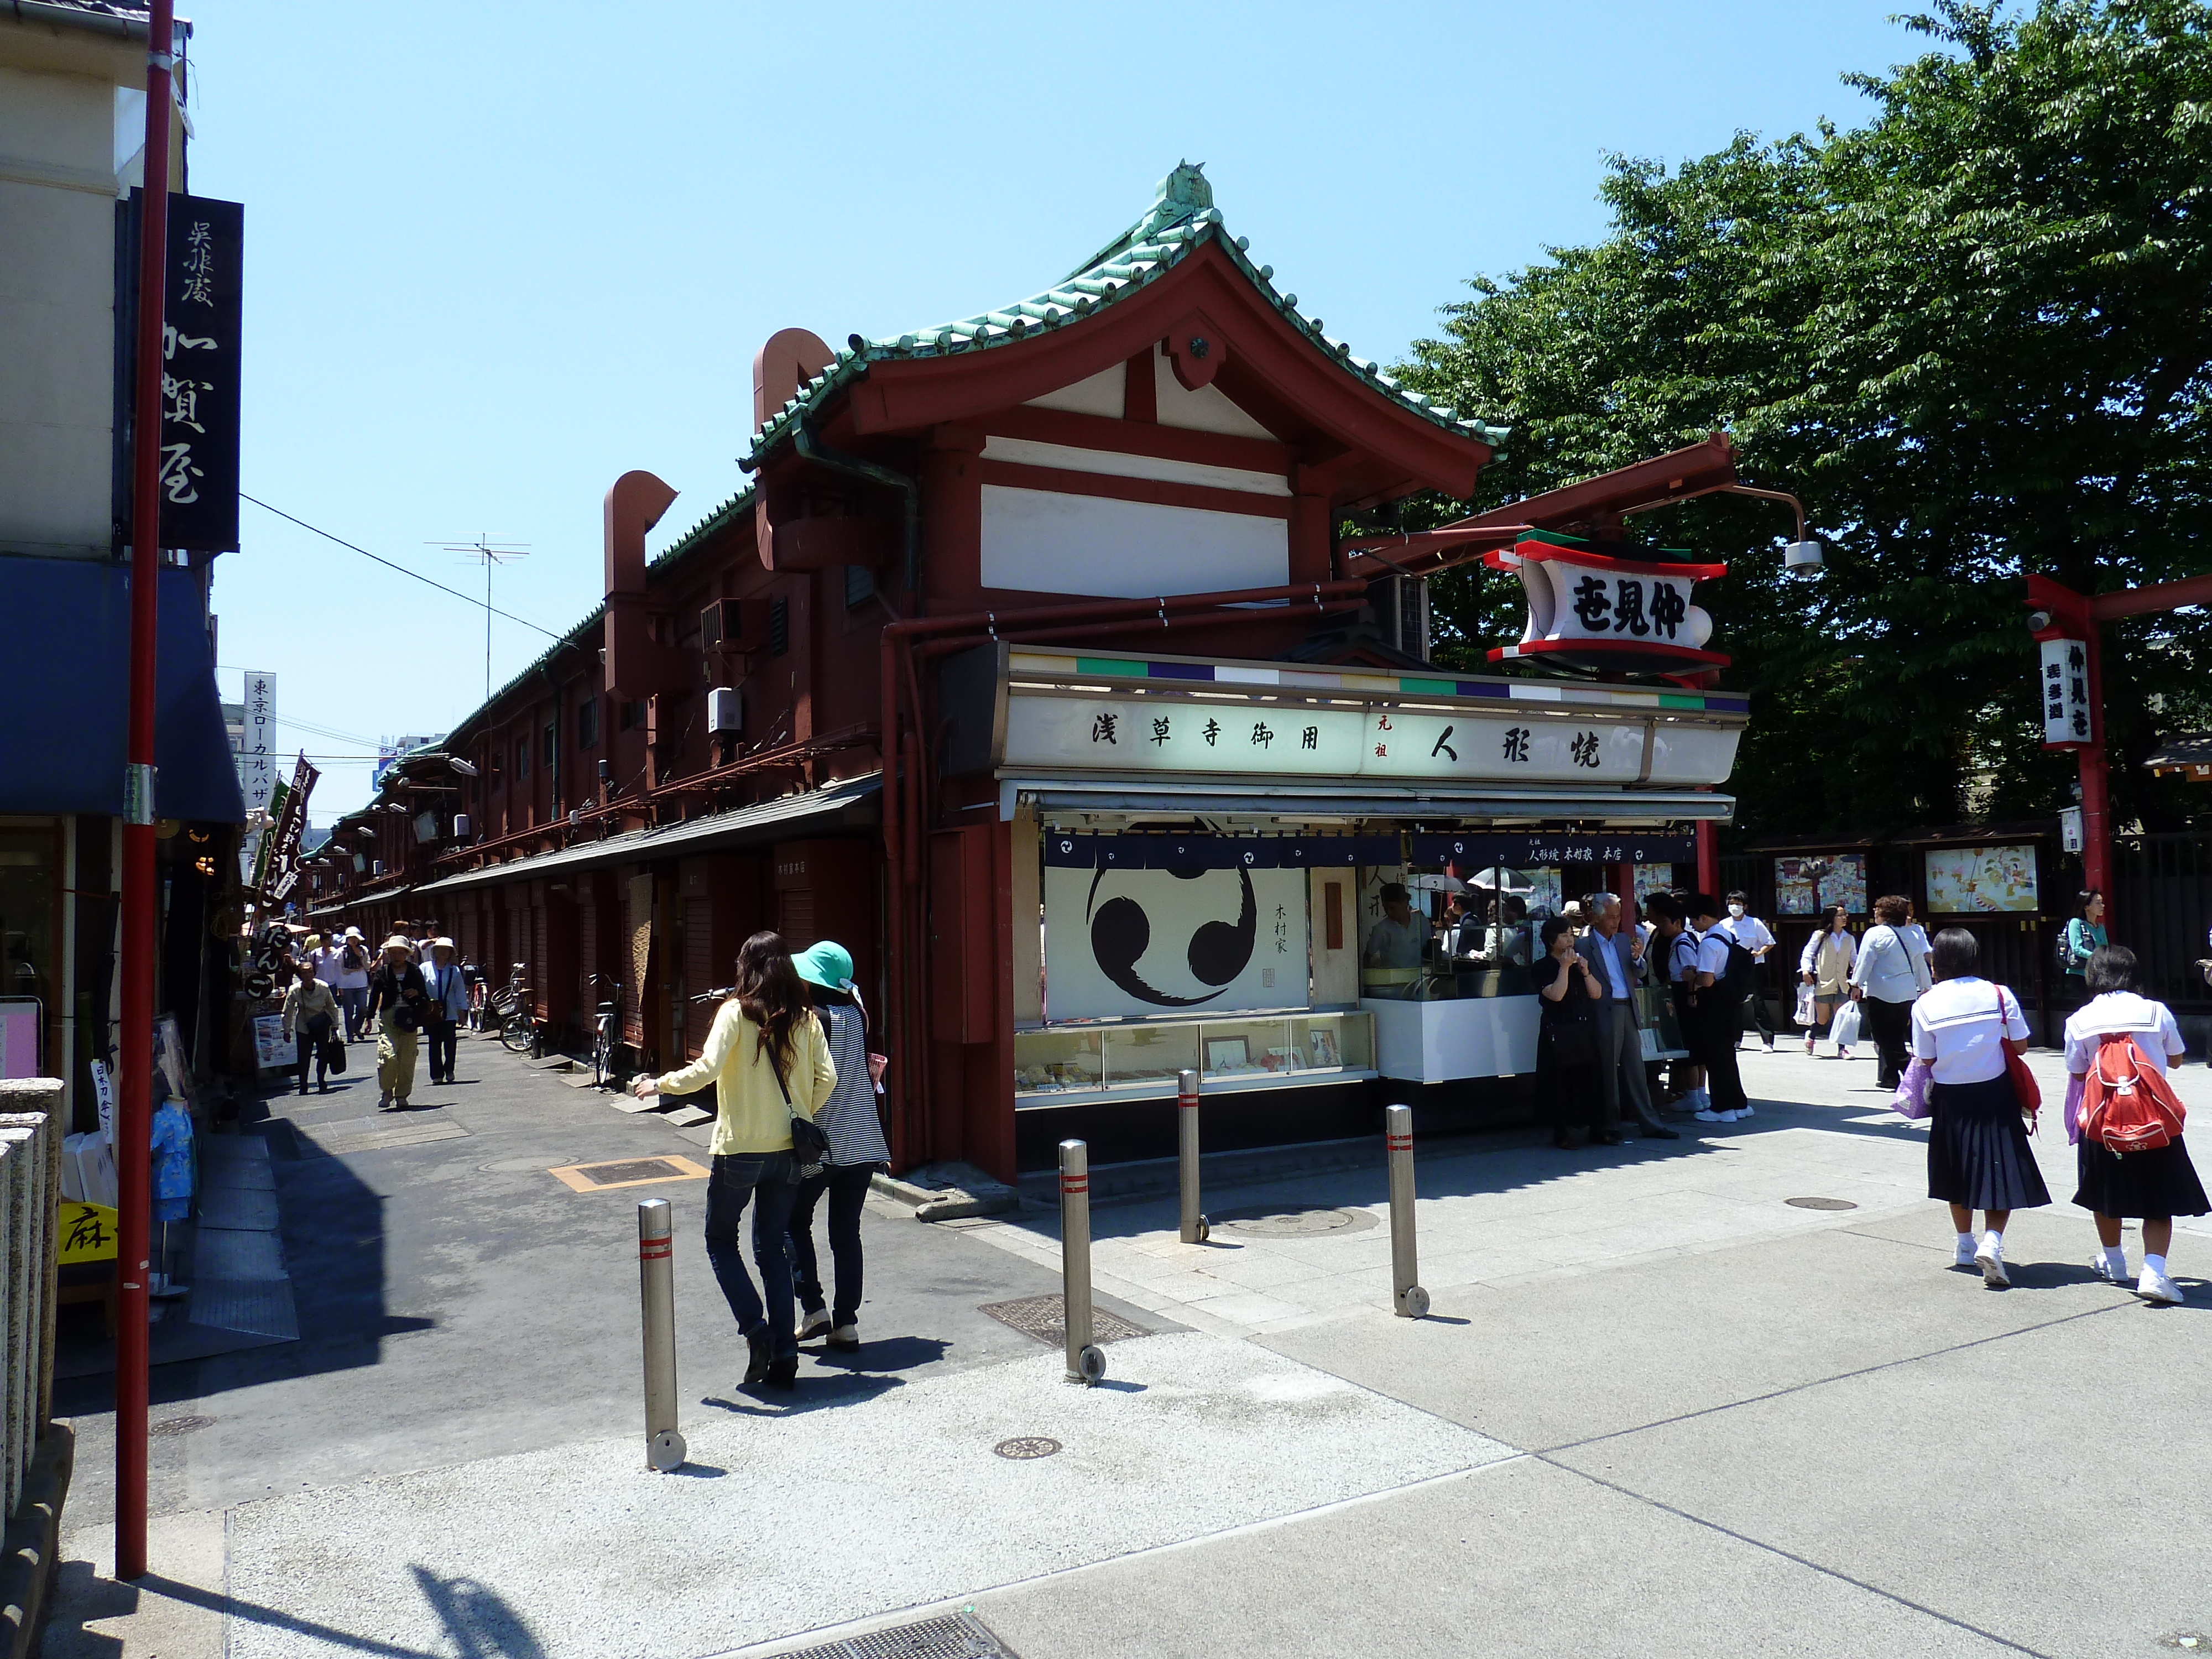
311, 1016
1968, 1030
2084, 936
769, 1060
351, 982
1619, 957
398, 1004
1567, 1041
1826, 965
449, 1005
1756, 937
2123, 1035
857, 1150
1889, 974
1715, 1023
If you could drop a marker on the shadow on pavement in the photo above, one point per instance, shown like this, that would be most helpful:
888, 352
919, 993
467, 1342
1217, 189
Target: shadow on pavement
478, 1619
892, 1353
813, 1393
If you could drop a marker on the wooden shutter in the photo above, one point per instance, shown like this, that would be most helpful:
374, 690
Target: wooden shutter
699, 971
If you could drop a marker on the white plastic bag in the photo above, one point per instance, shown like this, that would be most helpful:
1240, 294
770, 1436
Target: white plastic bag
1845, 1031
1809, 1008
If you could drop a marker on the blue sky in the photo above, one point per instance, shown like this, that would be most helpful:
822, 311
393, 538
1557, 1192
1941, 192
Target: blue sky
498, 255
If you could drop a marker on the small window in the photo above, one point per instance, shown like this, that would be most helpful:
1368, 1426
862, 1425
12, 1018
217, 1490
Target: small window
859, 586
491, 759
587, 723
779, 627
521, 759
548, 745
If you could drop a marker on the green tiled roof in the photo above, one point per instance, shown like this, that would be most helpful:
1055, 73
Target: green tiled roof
1182, 218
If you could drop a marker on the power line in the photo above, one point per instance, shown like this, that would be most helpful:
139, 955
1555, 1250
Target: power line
401, 568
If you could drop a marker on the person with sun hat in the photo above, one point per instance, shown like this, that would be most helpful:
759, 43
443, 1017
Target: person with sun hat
857, 1150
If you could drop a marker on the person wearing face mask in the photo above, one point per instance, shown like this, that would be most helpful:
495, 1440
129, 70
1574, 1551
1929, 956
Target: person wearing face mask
1755, 937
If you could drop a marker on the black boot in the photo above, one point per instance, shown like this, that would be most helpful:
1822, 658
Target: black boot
757, 1366
784, 1373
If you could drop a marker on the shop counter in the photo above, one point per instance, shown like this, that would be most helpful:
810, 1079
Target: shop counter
1441, 1040
1082, 1065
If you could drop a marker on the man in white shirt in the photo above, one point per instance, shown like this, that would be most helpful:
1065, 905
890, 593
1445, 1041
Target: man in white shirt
1715, 1025
1754, 935
1619, 960
1398, 937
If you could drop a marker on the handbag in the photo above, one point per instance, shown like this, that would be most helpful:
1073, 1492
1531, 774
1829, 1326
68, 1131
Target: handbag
1809, 1008
810, 1145
1910, 1100
2023, 1080
334, 1056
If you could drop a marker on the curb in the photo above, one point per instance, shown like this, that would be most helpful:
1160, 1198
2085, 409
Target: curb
946, 1203
27, 1573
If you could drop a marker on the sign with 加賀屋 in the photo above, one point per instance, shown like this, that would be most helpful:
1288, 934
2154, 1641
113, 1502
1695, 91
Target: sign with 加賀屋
2064, 685
202, 312
1377, 741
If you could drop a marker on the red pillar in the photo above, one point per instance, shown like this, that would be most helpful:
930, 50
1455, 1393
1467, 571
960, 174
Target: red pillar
2096, 773
1709, 858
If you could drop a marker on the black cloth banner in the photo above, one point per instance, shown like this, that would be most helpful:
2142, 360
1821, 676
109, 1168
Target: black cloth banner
1066, 850
201, 328
1522, 850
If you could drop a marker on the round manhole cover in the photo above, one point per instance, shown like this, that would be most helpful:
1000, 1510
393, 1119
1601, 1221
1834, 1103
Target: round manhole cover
1023, 1447
1820, 1203
1260, 1222
173, 1425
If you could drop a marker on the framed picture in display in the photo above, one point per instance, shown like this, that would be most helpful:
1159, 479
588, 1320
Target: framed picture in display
1967, 880
1227, 1054
1813, 886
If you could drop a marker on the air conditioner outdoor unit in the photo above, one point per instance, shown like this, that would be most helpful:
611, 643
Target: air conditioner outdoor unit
734, 625
461, 826
726, 711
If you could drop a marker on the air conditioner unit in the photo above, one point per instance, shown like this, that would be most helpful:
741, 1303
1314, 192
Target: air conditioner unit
726, 711
733, 626
461, 826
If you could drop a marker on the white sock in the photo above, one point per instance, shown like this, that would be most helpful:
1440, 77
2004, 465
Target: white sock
2116, 1258
1966, 1243
1993, 1241
2155, 1264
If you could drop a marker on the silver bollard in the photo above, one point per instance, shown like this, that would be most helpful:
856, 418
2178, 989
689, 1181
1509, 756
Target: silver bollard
1412, 1300
1085, 1365
1196, 1229
656, 1289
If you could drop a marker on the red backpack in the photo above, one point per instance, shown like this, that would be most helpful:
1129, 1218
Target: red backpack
2127, 1104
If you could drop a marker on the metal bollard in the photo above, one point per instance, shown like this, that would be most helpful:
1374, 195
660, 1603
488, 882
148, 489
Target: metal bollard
656, 1290
1085, 1365
1195, 1229
1412, 1300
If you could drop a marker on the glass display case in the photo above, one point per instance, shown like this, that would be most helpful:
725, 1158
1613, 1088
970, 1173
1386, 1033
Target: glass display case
1141, 1059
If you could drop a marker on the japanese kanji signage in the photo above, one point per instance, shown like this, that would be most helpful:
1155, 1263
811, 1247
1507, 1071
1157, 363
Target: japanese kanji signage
200, 339
1537, 849
1593, 609
257, 739
2065, 691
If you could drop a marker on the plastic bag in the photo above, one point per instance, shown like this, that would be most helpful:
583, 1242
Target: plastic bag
1910, 1100
1845, 1031
1809, 1008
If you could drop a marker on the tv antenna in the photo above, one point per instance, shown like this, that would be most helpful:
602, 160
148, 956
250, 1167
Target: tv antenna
490, 554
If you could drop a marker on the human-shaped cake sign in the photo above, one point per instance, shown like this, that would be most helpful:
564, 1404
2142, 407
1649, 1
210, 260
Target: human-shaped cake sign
1594, 612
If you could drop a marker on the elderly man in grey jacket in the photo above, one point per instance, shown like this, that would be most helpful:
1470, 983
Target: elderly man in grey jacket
1618, 960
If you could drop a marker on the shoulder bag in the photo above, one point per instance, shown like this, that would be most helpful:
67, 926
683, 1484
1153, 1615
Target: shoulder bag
2023, 1080
810, 1145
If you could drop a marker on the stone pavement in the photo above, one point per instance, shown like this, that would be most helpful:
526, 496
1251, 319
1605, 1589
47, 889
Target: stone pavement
1657, 1410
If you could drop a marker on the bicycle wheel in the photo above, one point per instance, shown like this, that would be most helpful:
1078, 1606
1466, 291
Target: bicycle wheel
516, 1034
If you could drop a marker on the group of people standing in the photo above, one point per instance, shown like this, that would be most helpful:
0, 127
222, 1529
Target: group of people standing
409, 993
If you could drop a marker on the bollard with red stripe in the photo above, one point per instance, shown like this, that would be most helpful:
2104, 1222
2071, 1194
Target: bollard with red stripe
656, 1287
1195, 1228
1086, 1364
1410, 1300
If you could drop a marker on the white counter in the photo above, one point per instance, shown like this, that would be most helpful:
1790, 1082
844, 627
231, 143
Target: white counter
1469, 1037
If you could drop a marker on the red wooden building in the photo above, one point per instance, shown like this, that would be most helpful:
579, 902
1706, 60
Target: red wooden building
940, 684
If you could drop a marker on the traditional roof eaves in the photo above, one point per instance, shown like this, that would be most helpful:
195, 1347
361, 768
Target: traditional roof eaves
1183, 219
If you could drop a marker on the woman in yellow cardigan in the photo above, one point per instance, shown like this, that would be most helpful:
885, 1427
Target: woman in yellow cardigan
768, 1058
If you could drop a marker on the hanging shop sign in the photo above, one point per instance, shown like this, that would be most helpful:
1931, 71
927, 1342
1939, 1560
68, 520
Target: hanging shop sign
1598, 611
200, 343
1139, 943
257, 740
2065, 686
291, 822
87, 1232
1538, 848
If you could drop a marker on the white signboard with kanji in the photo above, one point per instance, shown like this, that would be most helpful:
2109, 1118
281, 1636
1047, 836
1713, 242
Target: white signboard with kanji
2065, 689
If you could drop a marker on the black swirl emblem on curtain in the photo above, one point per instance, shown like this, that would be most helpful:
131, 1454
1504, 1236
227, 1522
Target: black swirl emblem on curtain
1121, 934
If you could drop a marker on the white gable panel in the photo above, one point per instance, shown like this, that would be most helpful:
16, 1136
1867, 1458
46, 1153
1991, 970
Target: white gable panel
1120, 464
1036, 541
1099, 394
1207, 409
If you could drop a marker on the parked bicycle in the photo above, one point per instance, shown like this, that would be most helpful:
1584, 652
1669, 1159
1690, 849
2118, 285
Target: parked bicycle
606, 1035
507, 1010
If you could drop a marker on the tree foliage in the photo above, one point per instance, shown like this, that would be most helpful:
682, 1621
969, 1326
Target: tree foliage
1970, 335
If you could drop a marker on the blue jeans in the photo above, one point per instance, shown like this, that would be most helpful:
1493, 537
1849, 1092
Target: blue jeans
763, 1179
847, 1186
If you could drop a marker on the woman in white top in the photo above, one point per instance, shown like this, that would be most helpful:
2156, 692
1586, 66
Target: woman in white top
1889, 974
2154, 1186
1978, 1158
1826, 965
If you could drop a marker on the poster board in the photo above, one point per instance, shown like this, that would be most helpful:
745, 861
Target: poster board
1982, 880
270, 1052
1813, 886
1141, 944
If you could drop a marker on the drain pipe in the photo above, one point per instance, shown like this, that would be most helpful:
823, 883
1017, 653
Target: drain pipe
837, 461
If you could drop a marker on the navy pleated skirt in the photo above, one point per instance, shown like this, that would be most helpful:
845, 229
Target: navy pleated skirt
1977, 1150
2148, 1185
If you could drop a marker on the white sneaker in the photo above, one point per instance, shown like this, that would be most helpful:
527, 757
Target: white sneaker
1990, 1261
2103, 1268
2156, 1287
1962, 1254
1706, 1115
813, 1324
846, 1336
1746, 1110
1730, 1117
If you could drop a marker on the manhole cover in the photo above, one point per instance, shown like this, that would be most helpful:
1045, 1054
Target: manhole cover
1260, 1222
1044, 1318
1023, 1447
627, 1172
175, 1425
1820, 1203
957, 1636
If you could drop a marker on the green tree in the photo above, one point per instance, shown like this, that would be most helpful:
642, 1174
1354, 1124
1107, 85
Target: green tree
1971, 335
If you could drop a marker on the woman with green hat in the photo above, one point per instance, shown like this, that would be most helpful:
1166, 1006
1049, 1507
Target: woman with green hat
857, 1150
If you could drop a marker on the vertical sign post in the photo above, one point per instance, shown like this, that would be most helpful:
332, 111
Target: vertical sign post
135, 1118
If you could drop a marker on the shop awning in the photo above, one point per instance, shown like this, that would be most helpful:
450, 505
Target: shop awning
1231, 798
67, 624
848, 804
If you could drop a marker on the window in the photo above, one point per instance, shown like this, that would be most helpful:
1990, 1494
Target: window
632, 716
548, 745
779, 627
521, 759
859, 586
587, 723
491, 764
